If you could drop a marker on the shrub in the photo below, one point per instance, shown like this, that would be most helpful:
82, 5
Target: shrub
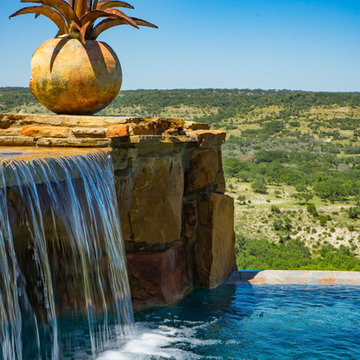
277, 225
259, 186
312, 210
324, 219
354, 212
275, 209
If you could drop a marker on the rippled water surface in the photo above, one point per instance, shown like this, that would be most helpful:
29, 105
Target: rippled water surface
247, 322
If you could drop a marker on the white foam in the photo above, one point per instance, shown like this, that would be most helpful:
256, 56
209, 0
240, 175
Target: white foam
150, 342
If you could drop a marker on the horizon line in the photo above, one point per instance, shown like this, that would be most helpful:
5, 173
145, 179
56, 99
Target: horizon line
220, 88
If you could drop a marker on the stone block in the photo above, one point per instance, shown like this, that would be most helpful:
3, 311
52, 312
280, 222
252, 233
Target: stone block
120, 130
89, 132
211, 138
74, 142
155, 126
16, 141
214, 252
7, 120
46, 131
10, 132
158, 278
192, 125
203, 169
150, 200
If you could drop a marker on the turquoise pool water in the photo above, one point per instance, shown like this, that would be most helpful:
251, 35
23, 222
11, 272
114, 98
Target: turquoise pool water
263, 322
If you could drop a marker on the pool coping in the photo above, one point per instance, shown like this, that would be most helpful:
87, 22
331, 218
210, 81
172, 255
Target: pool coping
295, 277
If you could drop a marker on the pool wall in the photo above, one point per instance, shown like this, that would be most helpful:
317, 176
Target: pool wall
296, 277
177, 223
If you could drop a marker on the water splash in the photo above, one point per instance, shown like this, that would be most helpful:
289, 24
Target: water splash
68, 207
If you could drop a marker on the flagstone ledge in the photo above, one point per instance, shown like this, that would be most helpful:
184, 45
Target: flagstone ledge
296, 277
102, 131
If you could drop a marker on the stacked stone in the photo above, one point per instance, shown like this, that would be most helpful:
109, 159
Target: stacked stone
177, 223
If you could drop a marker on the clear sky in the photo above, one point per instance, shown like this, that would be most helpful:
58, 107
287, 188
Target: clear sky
269, 44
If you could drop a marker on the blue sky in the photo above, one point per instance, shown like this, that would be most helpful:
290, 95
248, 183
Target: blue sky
269, 44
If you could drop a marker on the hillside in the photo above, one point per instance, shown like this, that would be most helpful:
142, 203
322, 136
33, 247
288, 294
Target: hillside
292, 162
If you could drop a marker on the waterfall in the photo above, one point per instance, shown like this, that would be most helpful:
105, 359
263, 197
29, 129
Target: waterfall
68, 260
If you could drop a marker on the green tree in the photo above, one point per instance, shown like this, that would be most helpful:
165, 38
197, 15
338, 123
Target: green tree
332, 189
259, 186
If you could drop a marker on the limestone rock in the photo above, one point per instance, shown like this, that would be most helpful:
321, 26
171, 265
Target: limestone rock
155, 126
214, 252
89, 132
120, 130
210, 138
46, 131
10, 132
192, 125
150, 201
75, 142
16, 141
158, 278
203, 169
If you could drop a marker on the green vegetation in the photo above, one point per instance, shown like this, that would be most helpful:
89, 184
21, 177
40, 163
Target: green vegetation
260, 254
291, 161
259, 185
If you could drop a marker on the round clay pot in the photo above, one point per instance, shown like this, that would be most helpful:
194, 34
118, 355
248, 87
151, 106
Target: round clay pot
69, 77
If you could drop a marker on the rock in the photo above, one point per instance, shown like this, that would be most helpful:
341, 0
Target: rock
189, 221
150, 201
16, 141
203, 169
214, 252
120, 130
155, 126
89, 132
192, 125
46, 131
7, 120
157, 278
75, 142
220, 184
177, 227
10, 132
210, 138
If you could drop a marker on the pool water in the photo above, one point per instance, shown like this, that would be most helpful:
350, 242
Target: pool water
245, 322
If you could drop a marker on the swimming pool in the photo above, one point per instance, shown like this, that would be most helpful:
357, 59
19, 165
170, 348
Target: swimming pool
243, 321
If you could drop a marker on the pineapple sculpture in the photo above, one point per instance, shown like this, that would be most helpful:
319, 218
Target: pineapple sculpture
74, 73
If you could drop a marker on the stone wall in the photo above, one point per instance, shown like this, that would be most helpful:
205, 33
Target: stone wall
177, 223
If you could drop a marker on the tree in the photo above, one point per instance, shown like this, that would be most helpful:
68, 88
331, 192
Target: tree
303, 196
259, 186
332, 189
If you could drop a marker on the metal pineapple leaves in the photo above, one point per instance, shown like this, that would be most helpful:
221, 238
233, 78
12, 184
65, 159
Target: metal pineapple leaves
77, 17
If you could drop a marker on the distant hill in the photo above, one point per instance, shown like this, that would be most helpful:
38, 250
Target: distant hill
210, 105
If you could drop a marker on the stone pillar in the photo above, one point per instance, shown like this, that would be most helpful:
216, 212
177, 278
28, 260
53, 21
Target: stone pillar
214, 253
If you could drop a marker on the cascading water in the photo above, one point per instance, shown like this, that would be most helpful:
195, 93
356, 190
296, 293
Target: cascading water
71, 263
